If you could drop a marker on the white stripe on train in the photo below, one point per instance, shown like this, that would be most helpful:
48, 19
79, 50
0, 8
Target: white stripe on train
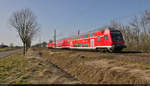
86, 47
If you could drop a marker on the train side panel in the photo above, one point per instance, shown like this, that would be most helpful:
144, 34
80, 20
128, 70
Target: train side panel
99, 39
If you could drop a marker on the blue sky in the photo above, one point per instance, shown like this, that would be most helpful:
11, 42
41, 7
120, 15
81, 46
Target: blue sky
67, 16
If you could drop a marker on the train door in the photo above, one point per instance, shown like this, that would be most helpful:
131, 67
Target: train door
106, 40
92, 43
71, 44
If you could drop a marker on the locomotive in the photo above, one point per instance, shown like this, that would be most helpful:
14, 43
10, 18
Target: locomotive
108, 39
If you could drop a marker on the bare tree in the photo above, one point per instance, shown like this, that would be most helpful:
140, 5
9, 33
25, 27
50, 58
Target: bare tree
24, 21
135, 25
137, 32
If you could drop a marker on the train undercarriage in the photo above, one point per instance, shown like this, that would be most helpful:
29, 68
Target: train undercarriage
111, 49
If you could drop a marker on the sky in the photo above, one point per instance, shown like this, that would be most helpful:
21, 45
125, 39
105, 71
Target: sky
67, 16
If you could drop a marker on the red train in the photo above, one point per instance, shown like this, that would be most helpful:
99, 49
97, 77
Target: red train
104, 38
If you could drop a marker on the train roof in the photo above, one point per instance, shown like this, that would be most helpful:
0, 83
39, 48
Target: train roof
95, 30
92, 31
101, 29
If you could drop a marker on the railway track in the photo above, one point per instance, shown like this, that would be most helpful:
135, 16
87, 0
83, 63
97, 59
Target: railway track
96, 51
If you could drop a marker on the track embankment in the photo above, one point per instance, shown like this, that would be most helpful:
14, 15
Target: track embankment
49, 73
95, 67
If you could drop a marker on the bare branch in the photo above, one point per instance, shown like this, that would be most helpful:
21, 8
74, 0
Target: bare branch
24, 21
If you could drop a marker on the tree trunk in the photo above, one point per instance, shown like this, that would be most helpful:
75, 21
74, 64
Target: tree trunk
24, 49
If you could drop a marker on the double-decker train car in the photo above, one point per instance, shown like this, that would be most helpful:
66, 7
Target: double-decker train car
104, 38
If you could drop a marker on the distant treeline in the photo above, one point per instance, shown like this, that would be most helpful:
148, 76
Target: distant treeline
137, 32
3, 46
43, 45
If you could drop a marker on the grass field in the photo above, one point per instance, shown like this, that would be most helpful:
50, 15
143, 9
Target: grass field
88, 67
6, 49
17, 69
12, 69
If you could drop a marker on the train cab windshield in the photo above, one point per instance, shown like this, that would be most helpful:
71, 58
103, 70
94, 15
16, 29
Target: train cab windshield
116, 36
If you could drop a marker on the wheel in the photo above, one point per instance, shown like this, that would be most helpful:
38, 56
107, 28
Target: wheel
118, 50
101, 50
114, 50
111, 50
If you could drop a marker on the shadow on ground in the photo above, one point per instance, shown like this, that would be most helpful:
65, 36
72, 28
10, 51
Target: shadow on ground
126, 52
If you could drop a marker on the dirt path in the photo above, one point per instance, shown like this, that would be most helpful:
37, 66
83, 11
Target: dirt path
7, 53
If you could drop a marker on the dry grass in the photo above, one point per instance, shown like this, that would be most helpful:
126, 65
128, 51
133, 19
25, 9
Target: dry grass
93, 67
17, 69
12, 69
89, 67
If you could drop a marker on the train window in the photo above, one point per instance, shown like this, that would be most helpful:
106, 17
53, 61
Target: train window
98, 38
87, 36
93, 35
87, 45
116, 36
106, 37
76, 45
80, 45
83, 45
90, 35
